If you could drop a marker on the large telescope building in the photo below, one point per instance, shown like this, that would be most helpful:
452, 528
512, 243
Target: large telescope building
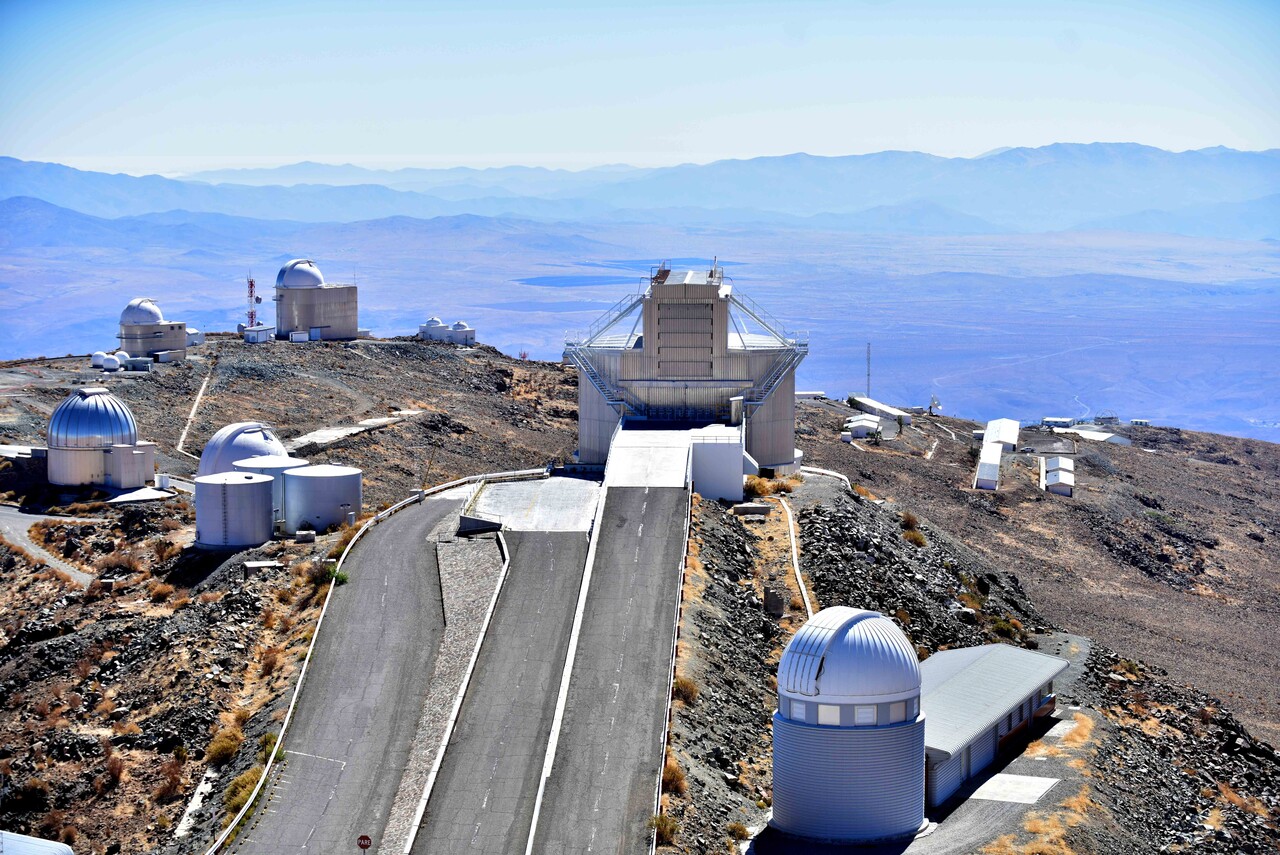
689, 350
306, 304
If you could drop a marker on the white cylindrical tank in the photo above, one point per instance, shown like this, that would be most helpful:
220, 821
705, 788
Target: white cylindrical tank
233, 510
12, 843
321, 496
848, 736
96, 359
111, 363
274, 465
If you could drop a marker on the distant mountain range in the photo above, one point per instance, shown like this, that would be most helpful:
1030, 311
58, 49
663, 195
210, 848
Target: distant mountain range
1214, 192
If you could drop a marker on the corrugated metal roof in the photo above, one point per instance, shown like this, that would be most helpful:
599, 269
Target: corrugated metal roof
964, 692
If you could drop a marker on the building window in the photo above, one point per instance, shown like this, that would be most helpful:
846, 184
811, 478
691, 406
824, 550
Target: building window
913, 707
864, 714
898, 712
829, 714
797, 710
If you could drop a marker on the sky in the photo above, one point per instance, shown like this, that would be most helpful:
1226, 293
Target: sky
140, 86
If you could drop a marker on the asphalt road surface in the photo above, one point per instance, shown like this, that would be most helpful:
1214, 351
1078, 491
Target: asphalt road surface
483, 798
14, 526
349, 740
600, 794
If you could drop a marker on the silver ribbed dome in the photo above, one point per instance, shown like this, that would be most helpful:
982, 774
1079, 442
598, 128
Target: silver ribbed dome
141, 310
92, 418
299, 273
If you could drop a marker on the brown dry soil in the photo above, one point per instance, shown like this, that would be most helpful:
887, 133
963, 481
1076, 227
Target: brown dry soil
1167, 551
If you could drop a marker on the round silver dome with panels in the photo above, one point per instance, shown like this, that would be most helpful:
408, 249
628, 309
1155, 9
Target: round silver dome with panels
848, 735
141, 310
92, 418
299, 273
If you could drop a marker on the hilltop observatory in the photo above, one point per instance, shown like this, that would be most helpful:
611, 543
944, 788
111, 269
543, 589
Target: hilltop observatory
696, 353
145, 332
307, 305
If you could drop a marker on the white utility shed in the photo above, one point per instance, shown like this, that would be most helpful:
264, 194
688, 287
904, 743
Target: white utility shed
988, 474
870, 405
974, 700
1054, 464
1004, 432
1060, 481
862, 425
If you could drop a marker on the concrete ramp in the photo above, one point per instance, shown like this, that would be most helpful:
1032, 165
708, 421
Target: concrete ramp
648, 458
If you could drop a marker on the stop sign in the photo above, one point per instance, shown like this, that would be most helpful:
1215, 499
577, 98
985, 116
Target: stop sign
364, 841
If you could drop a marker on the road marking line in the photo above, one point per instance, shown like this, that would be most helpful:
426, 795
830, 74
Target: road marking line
342, 763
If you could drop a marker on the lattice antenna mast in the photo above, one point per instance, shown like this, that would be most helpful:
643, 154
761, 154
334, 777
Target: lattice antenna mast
253, 301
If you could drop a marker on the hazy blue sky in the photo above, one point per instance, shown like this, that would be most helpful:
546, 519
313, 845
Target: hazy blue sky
173, 86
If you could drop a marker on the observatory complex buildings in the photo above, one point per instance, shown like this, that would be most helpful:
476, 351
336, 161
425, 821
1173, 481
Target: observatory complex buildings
307, 305
695, 353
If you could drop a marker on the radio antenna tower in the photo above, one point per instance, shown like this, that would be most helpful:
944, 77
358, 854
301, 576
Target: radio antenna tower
253, 300
868, 369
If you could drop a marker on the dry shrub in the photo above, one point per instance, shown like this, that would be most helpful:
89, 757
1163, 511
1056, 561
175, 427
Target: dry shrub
268, 618
181, 601
117, 561
224, 745
915, 537
211, 596
105, 707
284, 596
126, 728
43, 708
241, 716
673, 780
159, 591
863, 491
664, 828
115, 768
165, 549
271, 660
1251, 804
239, 790
345, 536
757, 486
737, 831
684, 689
170, 525
908, 521
96, 591
170, 781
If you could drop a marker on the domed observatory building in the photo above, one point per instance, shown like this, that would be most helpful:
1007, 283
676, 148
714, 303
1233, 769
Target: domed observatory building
848, 736
305, 303
145, 332
93, 439
236, 442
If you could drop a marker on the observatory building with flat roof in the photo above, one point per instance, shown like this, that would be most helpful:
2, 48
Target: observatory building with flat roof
305, 303
687, 349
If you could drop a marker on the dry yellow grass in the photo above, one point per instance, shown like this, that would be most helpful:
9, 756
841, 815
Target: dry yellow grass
1250, 804
1079, 735
1040, 748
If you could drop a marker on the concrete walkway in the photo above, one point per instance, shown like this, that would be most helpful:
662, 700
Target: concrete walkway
14, 527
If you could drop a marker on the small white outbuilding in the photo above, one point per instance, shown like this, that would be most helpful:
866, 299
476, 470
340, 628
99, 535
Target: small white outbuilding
1004, 432
988, 475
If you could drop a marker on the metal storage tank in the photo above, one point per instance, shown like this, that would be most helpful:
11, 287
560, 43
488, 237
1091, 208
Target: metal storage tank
274, 465
235, 442
233, 510
87, 421
848, 736
320, 496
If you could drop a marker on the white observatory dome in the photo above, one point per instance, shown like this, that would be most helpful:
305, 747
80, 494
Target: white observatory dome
141, 310
121, 355
91, 418
111, 363
461, 325
96, 359
299, 273
845, 655
236, 442
434, 322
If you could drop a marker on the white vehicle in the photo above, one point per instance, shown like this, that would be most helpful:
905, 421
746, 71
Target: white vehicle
20, 844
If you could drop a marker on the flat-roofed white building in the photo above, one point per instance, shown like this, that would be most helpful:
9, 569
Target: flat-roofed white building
1060, 481
862, 425
988, 474
976, 699
870, 405
1003, 432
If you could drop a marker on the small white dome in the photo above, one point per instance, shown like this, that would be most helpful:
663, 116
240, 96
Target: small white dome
462, 325
434, 322
299, 273
121, 355
846, 655
236, 442
141, 310
111, 363
96, 359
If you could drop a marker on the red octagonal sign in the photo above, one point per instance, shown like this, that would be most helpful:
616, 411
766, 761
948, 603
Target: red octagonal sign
364, 841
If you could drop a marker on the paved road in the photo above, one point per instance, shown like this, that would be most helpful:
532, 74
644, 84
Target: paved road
14, 525
349, 740
600, 793
483, 798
